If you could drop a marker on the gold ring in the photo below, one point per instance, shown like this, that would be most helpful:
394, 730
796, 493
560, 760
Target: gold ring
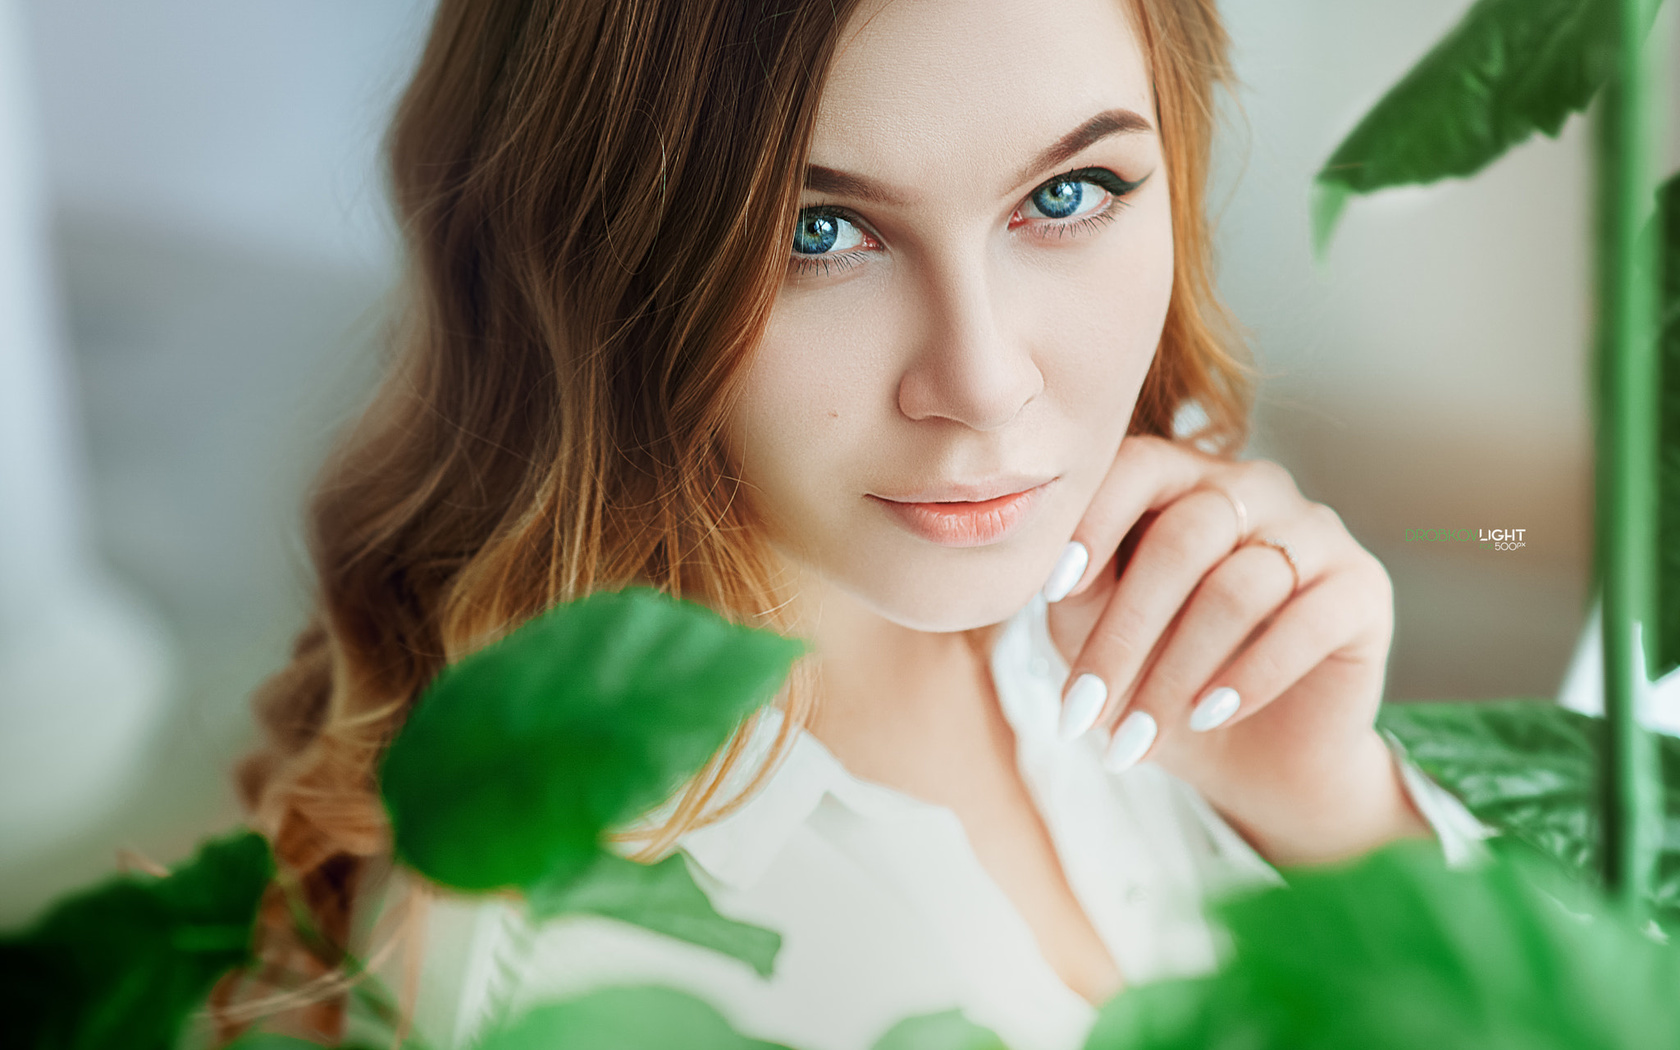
1288, 555
1242, 515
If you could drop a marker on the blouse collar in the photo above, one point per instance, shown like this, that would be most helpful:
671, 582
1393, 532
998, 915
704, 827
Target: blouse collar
737, 849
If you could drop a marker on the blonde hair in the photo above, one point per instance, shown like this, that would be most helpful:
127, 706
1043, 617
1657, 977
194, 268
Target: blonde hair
551, 423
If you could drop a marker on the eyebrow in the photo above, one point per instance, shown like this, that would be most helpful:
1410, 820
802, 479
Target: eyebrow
1109, 122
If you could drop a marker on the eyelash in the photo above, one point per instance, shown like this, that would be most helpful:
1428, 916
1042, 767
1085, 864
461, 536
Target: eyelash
1118, 191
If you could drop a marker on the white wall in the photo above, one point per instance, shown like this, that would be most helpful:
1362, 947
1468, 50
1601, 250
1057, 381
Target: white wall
83, 667
206, 225
256, 120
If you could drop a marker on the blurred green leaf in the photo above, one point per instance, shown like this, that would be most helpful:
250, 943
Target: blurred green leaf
1668, 483
949, 1030
1170, 1015
660, 897
1527, 767
1395, 951
123, 963
623, 1019
1507, 69
519, 755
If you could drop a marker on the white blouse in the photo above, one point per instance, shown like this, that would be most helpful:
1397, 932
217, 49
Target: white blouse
885, 912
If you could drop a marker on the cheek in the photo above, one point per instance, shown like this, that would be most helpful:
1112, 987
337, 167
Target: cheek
1098, 340
800, 424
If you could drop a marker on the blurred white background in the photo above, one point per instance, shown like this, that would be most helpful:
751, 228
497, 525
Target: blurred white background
211, 252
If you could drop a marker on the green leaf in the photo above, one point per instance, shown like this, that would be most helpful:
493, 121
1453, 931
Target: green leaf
1508, 69
520, 755
1668, 483
949, 1030
1395, 951
122, 964
661, 897
1527, 767
623, 1019
1168, 1015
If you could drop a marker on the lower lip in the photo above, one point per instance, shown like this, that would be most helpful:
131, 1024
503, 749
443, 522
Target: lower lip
964, 524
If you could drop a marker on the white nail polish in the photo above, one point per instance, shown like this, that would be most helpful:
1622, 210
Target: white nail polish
1214, 709
1069, 568
1083, 704
1130, 743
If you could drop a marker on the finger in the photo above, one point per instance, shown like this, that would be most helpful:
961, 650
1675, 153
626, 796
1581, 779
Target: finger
1147, 472
1070, 621
1175, 552
1345, 610
1230, 603
1171, 560
1235, 599
1152, 473
1171, 554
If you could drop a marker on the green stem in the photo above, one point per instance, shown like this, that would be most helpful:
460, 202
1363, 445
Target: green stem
1627, 449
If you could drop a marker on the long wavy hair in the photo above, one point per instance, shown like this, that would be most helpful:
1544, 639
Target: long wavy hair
597, 199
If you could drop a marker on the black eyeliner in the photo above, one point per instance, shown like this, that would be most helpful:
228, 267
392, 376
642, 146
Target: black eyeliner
1101, 176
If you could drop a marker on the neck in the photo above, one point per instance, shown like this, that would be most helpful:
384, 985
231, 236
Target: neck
896, 704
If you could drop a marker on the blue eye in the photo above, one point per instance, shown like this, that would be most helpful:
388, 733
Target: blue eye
824, 230
1062, 198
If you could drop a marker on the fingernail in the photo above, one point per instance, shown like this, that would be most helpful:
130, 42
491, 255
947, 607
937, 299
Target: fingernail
1130, 743
1214, 709
1069, 567
1082, 705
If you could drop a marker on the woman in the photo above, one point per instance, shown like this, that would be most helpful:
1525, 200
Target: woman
870, 322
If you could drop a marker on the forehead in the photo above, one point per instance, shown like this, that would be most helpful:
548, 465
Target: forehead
923, 87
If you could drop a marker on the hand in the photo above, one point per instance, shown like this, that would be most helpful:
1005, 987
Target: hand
1194, 644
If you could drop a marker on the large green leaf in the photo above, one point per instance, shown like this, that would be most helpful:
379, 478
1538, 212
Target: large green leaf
652, 1018
660, 897
623, 1019
122, 964
1508, 69
1527, 767
1397, 953
1668, 485
519, 755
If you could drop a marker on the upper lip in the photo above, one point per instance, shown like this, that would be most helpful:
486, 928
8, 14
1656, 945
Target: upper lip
967, 491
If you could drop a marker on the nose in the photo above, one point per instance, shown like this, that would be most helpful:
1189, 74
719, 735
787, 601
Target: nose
969, 367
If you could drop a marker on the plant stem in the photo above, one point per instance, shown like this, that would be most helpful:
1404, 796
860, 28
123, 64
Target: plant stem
1627, 452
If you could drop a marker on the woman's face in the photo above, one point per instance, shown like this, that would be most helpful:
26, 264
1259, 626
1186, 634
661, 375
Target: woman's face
976, 288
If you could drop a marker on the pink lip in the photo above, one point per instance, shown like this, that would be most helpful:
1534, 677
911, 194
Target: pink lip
959, 522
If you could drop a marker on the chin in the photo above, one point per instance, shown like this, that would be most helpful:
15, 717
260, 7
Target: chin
949, 591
